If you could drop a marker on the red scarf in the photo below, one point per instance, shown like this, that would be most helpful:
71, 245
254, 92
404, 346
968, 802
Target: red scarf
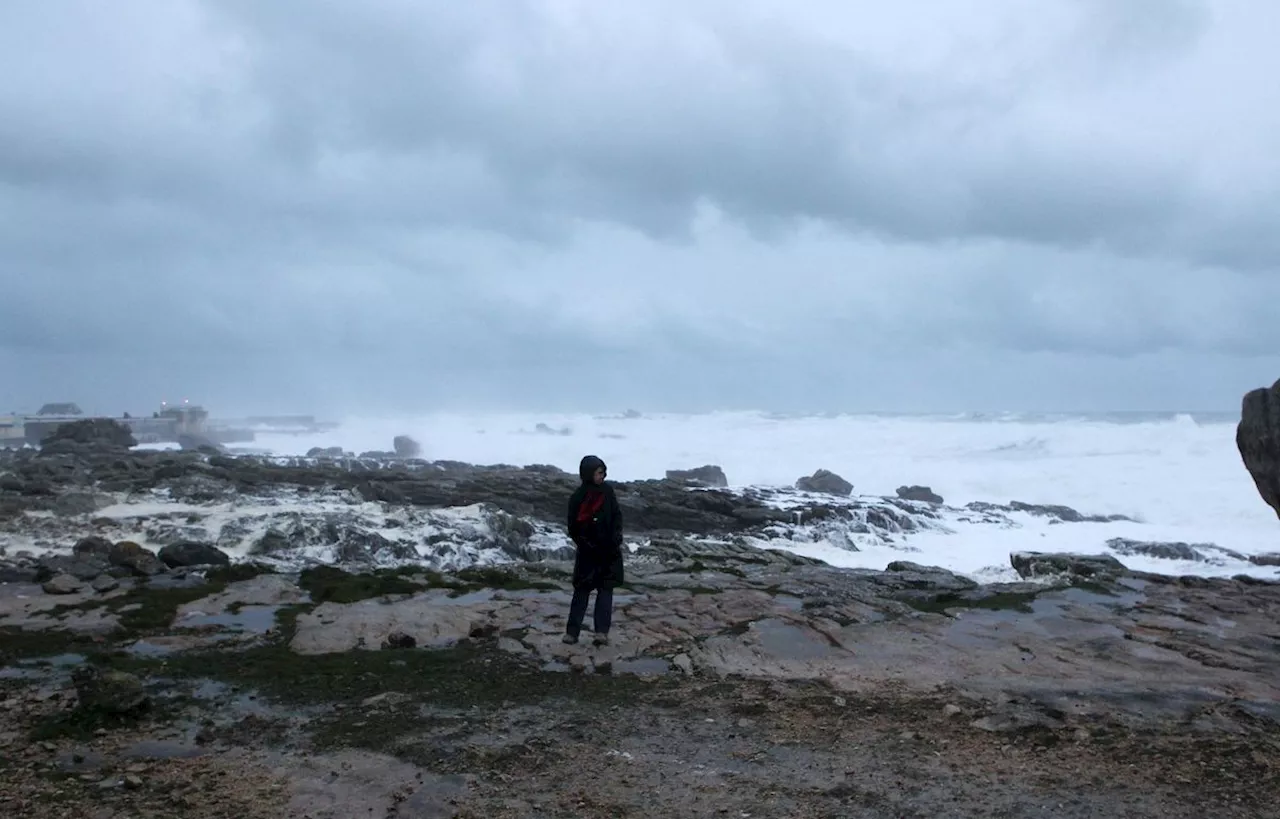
591, 504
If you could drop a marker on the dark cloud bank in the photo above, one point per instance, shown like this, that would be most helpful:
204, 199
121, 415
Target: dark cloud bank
398, 205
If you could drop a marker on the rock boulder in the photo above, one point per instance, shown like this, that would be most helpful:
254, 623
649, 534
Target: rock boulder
137, 560
825, 482
93, 546
709, 475
99, 432
1258, 439
1047, 564
82, 566
63, 584
190, 553
919, 493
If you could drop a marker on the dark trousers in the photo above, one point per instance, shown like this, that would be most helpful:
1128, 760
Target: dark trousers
603, 615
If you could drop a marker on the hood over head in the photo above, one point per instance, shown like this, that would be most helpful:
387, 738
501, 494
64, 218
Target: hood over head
587, 468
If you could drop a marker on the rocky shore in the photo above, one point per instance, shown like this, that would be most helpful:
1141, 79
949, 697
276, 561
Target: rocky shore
191, 634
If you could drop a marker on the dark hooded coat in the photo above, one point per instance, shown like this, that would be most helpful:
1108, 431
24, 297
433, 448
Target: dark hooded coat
595, 525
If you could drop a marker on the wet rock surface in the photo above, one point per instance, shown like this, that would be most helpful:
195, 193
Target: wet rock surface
189, 553
777, 689
709, 475
1042, 564
737, 680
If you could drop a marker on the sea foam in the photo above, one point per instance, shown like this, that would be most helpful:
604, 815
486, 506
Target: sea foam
1178, 476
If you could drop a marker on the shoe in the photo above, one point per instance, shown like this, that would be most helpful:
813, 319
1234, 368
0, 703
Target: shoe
601, 640
568, 639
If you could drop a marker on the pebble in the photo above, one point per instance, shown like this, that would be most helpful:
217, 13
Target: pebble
951, 710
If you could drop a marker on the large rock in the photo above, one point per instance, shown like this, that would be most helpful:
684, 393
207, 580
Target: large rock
15, 572
919, 493
82, 566
709, 475
190, 553
200, 443
98, 432
1258, 439
934, 579
136, 559
1051, 564
93, 546
63, 584
825, 482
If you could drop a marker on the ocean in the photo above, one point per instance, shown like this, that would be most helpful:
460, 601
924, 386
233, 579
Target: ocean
1178, 475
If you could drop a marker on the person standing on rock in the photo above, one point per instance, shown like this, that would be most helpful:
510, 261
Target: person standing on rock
595, 526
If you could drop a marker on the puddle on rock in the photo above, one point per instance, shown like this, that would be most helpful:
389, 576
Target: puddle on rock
642, 666
166, 645
57, 660
1058, 613
226, 703
528, 594
789, 602
146, 648
467, 598
786, 641
256, 619
160, 749
36, 668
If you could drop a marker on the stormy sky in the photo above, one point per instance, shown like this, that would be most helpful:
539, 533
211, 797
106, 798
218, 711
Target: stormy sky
313, 205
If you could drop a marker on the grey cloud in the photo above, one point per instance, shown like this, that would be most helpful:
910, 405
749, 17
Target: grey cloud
458, 200
395, 110
764, 122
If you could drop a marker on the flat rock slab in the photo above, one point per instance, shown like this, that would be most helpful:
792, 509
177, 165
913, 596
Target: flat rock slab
27, 606
1152, 655
360, 783
1140, 650
263, 590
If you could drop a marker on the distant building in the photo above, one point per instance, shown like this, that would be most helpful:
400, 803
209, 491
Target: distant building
166, 425
12, 431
